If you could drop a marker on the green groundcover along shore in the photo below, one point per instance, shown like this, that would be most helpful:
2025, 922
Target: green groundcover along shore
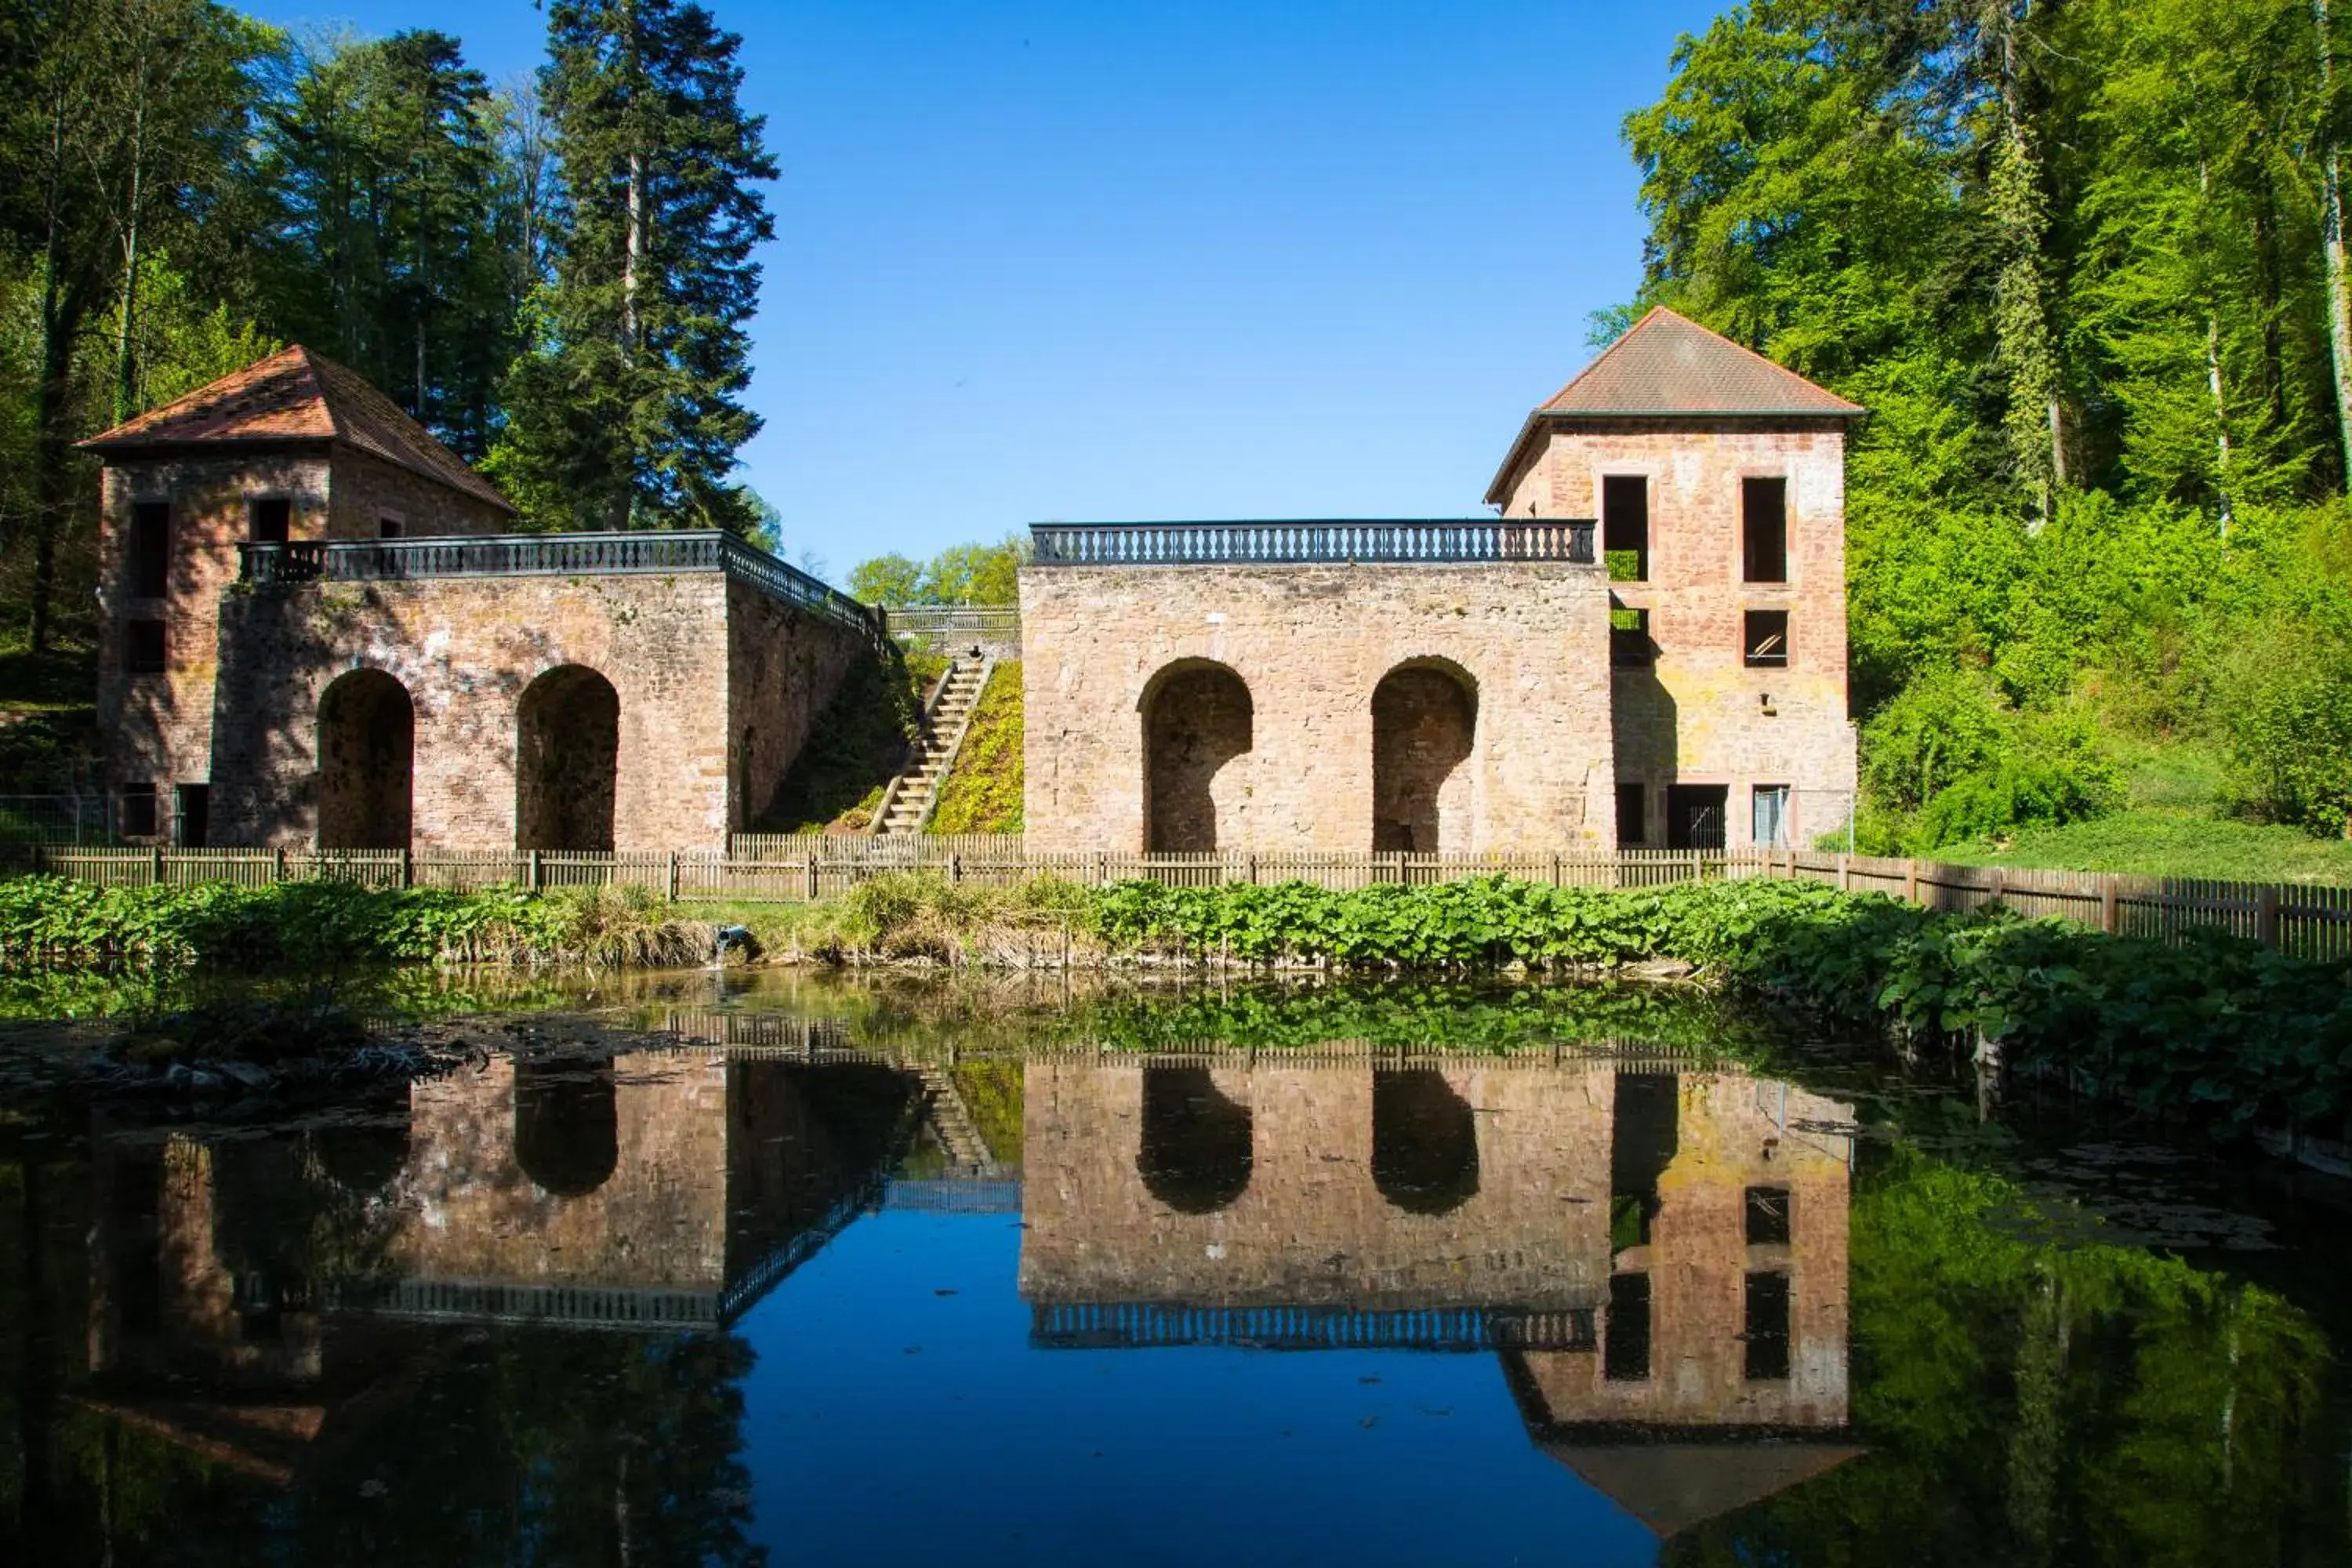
2221, 1030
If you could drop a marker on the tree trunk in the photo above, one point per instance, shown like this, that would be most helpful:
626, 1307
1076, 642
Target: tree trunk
2214, 384
632, 259
125, 377
2331, 228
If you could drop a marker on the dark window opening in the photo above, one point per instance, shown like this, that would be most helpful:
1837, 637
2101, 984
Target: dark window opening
1629, 647
389, 527
1625, 527
1765, 634
1645, 1125
149, 557
1632, 811
1695, 815
1764, 530
1626, 1349
1768, 816
135, 816
192, 809
269, 521
1768, 1216
1766, 1335
260, 1310
142, 647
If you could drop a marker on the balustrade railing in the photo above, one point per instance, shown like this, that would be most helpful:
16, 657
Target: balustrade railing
1436, 542
654, 553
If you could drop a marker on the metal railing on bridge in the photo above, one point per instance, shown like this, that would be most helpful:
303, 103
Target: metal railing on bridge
657, 553
1129, 1325
1336, 541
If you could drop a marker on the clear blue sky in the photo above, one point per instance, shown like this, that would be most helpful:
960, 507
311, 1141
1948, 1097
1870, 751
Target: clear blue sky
1039, 260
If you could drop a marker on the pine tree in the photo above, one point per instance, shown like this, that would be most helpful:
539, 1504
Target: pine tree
626, 411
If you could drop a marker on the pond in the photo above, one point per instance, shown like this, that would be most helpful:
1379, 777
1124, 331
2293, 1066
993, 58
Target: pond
903, 1273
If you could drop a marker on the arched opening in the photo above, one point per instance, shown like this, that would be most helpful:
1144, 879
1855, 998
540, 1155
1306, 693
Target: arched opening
567, 1127
1425, 720
1195, 1156
362, 1158
367, 762
1197, 719
567, 758
1425, 1141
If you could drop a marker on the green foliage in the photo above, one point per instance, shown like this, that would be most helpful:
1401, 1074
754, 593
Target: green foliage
982, 793
959, 574
2158, 843
857, 744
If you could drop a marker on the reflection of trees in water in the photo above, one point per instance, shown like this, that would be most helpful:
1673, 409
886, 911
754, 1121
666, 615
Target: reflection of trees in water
1195, 1152
2048, 1404
1425, 1141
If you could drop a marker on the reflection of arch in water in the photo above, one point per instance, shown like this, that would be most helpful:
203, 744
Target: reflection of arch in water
1425, 723
567, 1127
362, 1160
1644, 1134
567, 759
1195, 1154
1425, 1141
367, 762
1197, 720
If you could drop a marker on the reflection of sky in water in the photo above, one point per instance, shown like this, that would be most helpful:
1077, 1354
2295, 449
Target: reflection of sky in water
886, 1421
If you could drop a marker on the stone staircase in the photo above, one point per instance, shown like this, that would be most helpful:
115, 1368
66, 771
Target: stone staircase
906, 803
952, 1119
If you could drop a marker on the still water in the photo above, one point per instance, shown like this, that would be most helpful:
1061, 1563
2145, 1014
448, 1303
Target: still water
806, 1278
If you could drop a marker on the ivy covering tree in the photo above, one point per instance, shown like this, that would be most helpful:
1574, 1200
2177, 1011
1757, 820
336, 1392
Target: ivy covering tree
626, 411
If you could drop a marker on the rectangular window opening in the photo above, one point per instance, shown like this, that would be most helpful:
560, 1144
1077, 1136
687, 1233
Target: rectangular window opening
1768, 816
142, 647
1632, 802
134, 815
148, 559
1764, 530
192, 815
1695, 815
1766, 636
1629, 647
1768, 1216
270, 521
1625, 1348
1625, 526
389, 527
1766, 1334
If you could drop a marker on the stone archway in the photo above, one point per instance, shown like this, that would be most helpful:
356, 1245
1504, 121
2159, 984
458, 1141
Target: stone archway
1425, 1141
567, 1127
567, 761
1198, 719
1195, 1154
367, 762
1424, 725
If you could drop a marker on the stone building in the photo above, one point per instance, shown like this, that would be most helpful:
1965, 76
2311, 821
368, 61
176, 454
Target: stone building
1647, 648
318, 630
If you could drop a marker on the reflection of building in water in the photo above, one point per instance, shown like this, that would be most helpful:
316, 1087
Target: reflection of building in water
286, 1274
1660, 1258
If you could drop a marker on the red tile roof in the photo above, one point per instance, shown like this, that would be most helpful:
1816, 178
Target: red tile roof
1668, 365
296, 396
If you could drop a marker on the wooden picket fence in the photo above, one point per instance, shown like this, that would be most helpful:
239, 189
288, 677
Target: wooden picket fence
2310, 921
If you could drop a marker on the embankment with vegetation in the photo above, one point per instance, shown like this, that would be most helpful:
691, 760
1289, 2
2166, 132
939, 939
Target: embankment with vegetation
2221, 1031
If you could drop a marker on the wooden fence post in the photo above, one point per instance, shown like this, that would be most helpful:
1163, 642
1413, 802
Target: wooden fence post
2107, 903
1845, 872
1102, 869
408, 867
1997, 883
2266, 917
812, 875
1910, 882
531, 871
673, 875
955, 867
1250, 863
155, 867
1555, 868
278, 870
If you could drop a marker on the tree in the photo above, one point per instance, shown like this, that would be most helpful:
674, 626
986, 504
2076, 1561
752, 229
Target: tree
888, 580
626, 409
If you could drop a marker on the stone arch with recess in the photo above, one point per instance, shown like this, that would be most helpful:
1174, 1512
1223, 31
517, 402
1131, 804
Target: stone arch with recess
1195, 1154
1198, 722
1425, 1141
1425, 729
567, 1126
567, 761
367, 762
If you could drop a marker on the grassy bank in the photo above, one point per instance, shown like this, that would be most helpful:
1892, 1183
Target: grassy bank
2223, 1029
983, 794
2151, 842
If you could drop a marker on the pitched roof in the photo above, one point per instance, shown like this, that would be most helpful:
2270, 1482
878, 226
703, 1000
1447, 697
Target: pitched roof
1668, 365
296, 396
1672, 1486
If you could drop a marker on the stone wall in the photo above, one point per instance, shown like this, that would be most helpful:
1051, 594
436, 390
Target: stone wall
159, 727
1311, 645
1312, 1226
367, 490
1732, 1133
785, 665
1701, 715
